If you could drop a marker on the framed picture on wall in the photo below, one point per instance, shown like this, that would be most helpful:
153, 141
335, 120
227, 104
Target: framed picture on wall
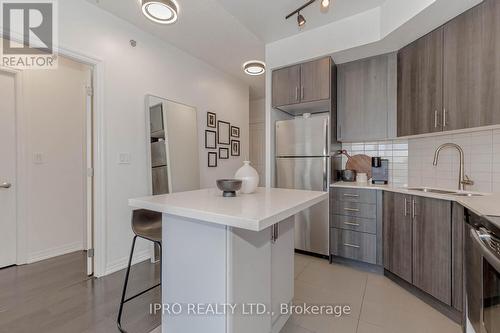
210, 139
211, 120
212, 160
223, 153
235, 148
235, 132
223, 132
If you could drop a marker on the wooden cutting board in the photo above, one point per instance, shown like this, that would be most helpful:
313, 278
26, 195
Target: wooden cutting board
361, 163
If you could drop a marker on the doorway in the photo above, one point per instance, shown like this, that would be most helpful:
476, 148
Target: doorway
8, 236
46, 178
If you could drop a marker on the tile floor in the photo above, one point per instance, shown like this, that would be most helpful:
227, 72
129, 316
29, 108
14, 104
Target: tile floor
378, 304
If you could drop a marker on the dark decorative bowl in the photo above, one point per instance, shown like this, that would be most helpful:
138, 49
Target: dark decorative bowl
229, 187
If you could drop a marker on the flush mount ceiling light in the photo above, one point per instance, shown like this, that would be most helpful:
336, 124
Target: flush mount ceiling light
254, 67
161, 11
301, 20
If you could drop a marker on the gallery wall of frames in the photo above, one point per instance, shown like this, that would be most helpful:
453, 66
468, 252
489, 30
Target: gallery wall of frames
222, 140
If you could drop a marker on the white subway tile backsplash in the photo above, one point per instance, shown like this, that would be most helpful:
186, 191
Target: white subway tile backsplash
411, 161
482, 157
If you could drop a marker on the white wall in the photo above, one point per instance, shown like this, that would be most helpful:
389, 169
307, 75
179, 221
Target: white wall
153, 67
54, 108
258, 137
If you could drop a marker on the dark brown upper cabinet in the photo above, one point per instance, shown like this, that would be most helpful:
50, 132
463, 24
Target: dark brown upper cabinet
315, 78
286, 86
450, 78
471, 68
420, 85
366, 99
304, 87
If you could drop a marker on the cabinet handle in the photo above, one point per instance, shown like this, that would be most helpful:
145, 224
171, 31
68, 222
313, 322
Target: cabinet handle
353, 224
435, 118
351, 209
274, 232
414, 206
444, 118
302, 92
351, 195
406, 207
296, 93
353, 246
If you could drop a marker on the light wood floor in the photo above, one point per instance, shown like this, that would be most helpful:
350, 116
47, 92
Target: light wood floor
56, 296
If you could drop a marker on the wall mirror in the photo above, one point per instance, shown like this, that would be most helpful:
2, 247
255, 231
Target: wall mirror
172, 137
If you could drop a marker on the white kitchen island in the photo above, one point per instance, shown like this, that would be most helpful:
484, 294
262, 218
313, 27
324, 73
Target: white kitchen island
222, 256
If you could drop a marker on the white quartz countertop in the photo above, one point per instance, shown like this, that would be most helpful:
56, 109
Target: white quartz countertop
255, 212
488, 204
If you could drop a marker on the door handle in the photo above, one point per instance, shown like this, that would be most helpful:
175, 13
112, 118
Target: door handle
444, 118
435, 118
351, 195
351, 245
351, 209
5, 185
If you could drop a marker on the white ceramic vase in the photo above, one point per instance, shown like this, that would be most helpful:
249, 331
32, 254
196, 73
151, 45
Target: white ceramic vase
249, 177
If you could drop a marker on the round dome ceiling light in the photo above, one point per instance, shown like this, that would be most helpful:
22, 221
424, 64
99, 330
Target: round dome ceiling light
254, 67
161, 11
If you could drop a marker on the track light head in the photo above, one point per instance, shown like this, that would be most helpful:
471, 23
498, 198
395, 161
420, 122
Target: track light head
325, 4
301, 20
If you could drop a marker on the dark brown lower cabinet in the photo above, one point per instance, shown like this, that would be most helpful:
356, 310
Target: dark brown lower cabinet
397, 226
418, 242
432, 247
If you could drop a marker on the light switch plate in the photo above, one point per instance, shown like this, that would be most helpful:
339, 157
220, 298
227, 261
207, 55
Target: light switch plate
124, 158
38, 158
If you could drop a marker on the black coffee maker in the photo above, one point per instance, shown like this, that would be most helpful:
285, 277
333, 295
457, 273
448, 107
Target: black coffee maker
380, 170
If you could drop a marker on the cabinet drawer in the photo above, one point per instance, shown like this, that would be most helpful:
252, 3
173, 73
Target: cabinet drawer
363, 210
354, 195
353, 223
353, 245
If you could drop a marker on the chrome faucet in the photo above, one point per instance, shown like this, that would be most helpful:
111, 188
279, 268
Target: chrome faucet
462, 178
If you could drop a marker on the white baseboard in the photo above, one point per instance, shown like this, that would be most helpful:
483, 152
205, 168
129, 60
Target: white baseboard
139, 256
54, 252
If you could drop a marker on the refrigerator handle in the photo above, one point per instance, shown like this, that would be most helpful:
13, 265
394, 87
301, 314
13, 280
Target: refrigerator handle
325, 175
327, 144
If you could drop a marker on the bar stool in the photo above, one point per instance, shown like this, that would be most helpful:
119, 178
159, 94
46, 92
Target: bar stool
147, 225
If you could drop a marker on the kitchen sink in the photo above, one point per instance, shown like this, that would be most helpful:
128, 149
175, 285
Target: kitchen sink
431, 190
468, 195
448, 192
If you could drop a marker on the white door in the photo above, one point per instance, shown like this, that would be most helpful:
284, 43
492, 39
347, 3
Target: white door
8, 225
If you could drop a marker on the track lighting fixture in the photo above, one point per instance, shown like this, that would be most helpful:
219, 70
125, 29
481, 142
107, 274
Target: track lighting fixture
301, 20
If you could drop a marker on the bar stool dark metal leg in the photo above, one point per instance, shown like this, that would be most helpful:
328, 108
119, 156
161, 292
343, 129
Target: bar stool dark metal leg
124, 292
125, 284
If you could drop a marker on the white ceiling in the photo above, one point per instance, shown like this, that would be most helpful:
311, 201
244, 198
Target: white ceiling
226, 33
266, 18
205, 30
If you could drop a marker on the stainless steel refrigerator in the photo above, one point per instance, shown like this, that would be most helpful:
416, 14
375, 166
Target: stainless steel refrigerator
302, 162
